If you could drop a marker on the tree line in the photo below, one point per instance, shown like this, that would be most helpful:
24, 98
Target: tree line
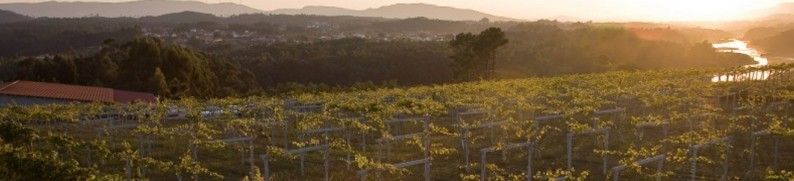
143, 64
529, 49
546, 48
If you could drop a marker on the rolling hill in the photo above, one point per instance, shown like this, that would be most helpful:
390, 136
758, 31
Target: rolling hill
784, 10
182, 17
143, 8
10, 17
398, 11
787, 8
123, 9
762, 23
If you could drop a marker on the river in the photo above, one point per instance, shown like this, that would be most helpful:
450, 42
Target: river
739, 46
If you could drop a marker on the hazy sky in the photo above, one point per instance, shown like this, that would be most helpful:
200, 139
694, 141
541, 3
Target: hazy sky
659, 10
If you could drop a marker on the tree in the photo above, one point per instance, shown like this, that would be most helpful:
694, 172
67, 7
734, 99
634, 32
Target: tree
144, 64
68, 72
143, 55
475, 54
464, 56
158, 80
490, 40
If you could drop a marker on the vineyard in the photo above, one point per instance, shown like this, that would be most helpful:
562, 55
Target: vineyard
646, 125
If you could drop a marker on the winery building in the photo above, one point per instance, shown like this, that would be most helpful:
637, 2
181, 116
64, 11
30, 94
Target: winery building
27, 93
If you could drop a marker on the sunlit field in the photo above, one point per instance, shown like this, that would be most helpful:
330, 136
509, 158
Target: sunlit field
634, 126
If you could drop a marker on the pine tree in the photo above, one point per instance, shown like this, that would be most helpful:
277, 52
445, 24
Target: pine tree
475, 54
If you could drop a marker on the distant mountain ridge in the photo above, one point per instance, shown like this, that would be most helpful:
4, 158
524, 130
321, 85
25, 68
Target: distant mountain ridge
143, 8
124, 9
182, 18
781, 10
786, 8
317, 10
10, 17
400, 11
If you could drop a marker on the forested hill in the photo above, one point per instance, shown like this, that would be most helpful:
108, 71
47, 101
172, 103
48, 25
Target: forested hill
10, 17
144, 64
57, 35
151, 65
248, 53
777, 44
773, 33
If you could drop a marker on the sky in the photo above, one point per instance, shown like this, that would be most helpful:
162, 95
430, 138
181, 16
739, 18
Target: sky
653, 10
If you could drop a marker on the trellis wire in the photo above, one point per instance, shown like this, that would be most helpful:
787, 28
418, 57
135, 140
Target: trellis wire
696, 148
775, 154
641, 127
243, 139
570, 139
425, 161
538, 122
464, 129
323, 148
323, 132
120, 122
301, 110
658, 159
484, 160
386, 142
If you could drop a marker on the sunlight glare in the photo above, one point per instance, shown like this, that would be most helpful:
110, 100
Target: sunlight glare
701, 10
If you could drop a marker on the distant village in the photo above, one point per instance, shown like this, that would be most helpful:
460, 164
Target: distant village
322, 32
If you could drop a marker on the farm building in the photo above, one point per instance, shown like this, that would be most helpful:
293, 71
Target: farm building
36, 93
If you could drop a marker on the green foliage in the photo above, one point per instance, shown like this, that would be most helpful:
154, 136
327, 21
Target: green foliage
58, 35
547, 48
475, 54
160, 85
105, 52
778, 175
346, 62
559, 173
20, 160
144, 64
57, 137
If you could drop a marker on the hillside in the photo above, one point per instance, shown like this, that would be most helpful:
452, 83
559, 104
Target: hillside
780, 9
769, 22
399, 11
123, 9
10, 17
182, 17
449, 129
787, 8
776, 18
777, 44
318, 10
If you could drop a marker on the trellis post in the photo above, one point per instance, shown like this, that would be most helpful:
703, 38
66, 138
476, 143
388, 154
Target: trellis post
569, 144
484, 158
696, 148
659, 159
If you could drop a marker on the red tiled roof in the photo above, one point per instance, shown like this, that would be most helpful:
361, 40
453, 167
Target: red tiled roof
73, 92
